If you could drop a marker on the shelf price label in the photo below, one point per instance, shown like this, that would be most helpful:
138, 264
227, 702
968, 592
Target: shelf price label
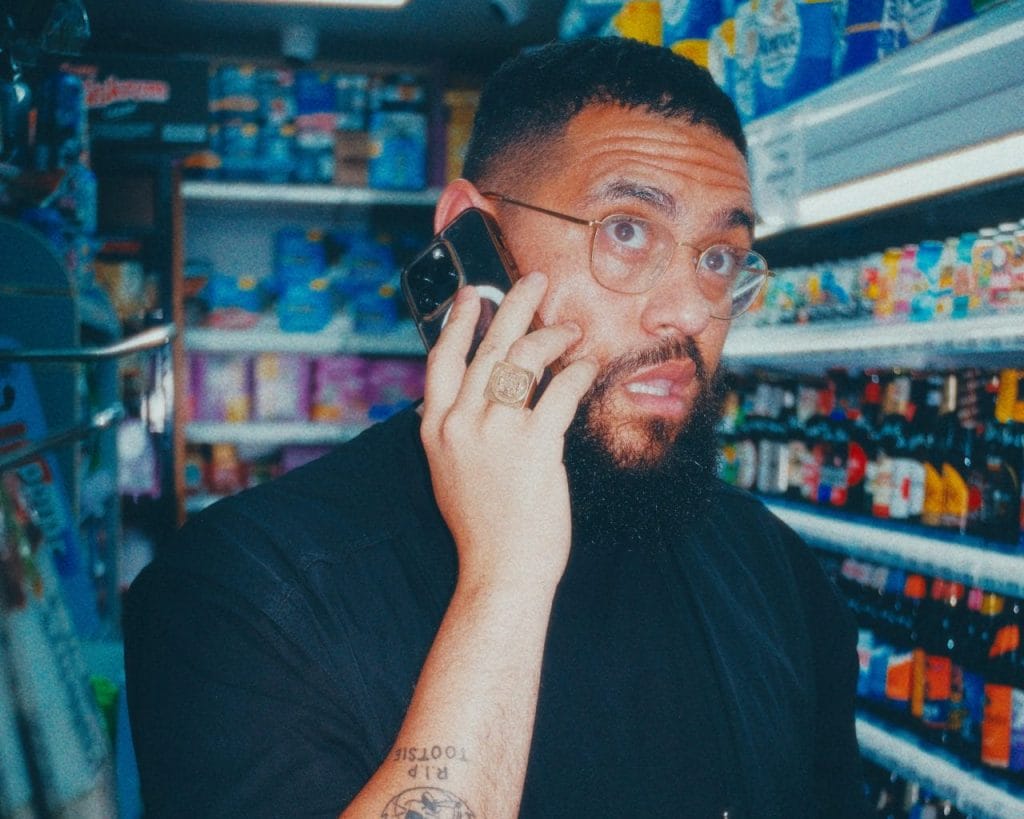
777, 162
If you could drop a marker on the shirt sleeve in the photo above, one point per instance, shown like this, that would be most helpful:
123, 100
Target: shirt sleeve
231, 715
838, 781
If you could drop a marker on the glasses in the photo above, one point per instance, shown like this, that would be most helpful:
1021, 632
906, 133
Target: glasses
628, 254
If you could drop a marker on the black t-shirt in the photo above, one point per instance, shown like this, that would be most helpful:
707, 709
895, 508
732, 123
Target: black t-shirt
272, 652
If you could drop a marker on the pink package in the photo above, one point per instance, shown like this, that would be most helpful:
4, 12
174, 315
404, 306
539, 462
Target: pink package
391, 383
292, 457
281, 387
339, 384
219, 387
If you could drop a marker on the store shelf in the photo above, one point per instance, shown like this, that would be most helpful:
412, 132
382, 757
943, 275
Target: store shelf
270, 433
860, 344
935, 118
312, 195
967, 560
973, 791
197, 503
337, 338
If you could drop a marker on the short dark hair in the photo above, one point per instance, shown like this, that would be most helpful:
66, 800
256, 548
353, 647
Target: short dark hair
532, 97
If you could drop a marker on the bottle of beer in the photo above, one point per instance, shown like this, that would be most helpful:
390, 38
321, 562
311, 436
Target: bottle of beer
977, 642
958, 453
891, 432
943, 679
1002, 737
926, 449
865, 436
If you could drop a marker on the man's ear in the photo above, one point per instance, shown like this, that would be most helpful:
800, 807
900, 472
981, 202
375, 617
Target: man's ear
457, 196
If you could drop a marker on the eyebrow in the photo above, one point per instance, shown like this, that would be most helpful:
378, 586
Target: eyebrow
665, 203
619, 189
737, 217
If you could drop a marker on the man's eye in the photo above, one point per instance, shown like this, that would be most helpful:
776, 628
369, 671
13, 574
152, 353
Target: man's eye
721, 261
626, 232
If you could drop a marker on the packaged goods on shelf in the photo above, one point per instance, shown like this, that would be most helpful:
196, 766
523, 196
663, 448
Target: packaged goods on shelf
940, 659
961, 276
343, 389
315, 275
460, 105
316, 127
767, 55
339, 389
220, 387
636, 20
280, 387
583, 18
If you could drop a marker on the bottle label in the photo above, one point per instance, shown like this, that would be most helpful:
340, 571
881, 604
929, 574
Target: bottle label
934, 495
898, 676
918, 667
1002, 728
772, 467
746, 470
973, 710
955, 498
920, 17
938, 687
779, 36
882, 495
856, 464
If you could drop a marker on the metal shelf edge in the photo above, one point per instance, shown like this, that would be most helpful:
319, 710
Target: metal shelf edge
994, 570
312, 195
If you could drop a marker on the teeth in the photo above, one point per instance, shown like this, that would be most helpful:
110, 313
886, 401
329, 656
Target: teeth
647, 388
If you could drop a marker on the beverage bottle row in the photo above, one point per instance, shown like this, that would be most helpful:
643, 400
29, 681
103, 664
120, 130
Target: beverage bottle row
976, 273
940, 449
940, 659
891, 796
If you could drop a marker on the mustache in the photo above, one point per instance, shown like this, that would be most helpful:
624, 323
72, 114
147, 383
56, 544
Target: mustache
669, 349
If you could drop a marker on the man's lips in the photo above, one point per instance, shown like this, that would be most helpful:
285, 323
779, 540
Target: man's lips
665, 381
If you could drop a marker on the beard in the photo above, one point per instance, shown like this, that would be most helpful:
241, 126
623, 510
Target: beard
630, 486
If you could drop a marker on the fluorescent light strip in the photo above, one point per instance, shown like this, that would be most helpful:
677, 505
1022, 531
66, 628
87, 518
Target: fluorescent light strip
941, 174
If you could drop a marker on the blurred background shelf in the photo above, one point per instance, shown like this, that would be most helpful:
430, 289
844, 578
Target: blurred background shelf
973, 791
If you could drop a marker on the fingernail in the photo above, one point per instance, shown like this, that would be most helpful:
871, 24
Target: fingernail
536, 277
465, 294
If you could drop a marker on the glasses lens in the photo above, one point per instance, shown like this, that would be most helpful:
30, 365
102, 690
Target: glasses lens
628, 253
731, 278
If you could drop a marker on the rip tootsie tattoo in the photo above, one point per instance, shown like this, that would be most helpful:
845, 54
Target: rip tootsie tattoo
429, 762
427, 803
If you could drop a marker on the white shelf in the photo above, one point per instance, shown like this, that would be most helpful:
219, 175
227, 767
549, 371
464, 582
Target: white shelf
970, 790
197, 503
311, 195
934, 118
861, 344
336, 338
968, 562
270, 433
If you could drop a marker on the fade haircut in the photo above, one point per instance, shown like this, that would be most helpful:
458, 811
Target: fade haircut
529, 101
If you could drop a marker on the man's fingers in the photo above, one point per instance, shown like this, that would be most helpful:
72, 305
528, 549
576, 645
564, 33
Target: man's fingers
446, 362
557, 406
511, 322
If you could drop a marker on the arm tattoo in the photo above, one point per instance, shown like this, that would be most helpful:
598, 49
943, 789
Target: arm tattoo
426, 803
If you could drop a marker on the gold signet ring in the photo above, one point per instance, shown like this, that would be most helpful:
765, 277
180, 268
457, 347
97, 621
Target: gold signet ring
510, 385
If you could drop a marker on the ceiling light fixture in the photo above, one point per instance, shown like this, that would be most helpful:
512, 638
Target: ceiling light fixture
355, 4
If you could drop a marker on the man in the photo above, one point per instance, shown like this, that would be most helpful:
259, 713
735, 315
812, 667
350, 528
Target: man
490, 608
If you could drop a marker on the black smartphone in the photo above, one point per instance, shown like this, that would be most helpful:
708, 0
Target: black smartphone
469, 250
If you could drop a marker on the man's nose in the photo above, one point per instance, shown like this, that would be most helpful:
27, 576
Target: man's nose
676, 305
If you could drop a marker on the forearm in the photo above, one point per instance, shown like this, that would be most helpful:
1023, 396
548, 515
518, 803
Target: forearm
466, 735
